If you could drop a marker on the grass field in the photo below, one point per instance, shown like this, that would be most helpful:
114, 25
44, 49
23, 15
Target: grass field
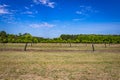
59, 47
61, 64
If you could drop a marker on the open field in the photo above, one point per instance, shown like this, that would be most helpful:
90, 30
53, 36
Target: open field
53, 62
53, 47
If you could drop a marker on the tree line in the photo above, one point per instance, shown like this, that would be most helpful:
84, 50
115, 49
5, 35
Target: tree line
64, 38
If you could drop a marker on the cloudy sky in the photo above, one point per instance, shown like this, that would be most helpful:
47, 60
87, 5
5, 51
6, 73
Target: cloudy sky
51, 18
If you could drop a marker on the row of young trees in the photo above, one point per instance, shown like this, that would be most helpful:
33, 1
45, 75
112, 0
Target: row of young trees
64, 38
21, 38
91, 38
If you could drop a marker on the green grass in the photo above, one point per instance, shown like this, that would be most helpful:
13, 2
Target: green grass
36, 65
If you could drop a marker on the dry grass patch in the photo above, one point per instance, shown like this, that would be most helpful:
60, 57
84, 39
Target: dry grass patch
16, 65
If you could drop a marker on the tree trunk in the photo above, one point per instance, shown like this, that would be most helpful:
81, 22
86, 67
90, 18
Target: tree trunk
93, 48
105, 45
4, 46
60, 44
70, 44
25, 48
31, 44
109, 44
86, 44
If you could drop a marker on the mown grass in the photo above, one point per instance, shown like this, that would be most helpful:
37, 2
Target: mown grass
36, 65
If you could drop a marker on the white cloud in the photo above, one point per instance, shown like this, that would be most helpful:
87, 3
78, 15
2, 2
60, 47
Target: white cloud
8, 19
45, 24
78, 19
31, 5
4, 5
28, 12
36, 1
3, 9
86, 10
45, 2
51, 4
78, 12
26, 8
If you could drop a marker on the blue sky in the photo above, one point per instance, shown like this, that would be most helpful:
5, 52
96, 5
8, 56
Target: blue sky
51, 18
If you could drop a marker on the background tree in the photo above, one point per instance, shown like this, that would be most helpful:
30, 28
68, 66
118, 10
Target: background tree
27, 38
64, 38
3, 37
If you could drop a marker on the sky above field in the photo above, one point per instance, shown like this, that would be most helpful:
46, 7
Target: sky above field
51, 18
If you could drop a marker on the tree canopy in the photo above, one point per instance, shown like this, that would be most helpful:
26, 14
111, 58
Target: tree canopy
64, 38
